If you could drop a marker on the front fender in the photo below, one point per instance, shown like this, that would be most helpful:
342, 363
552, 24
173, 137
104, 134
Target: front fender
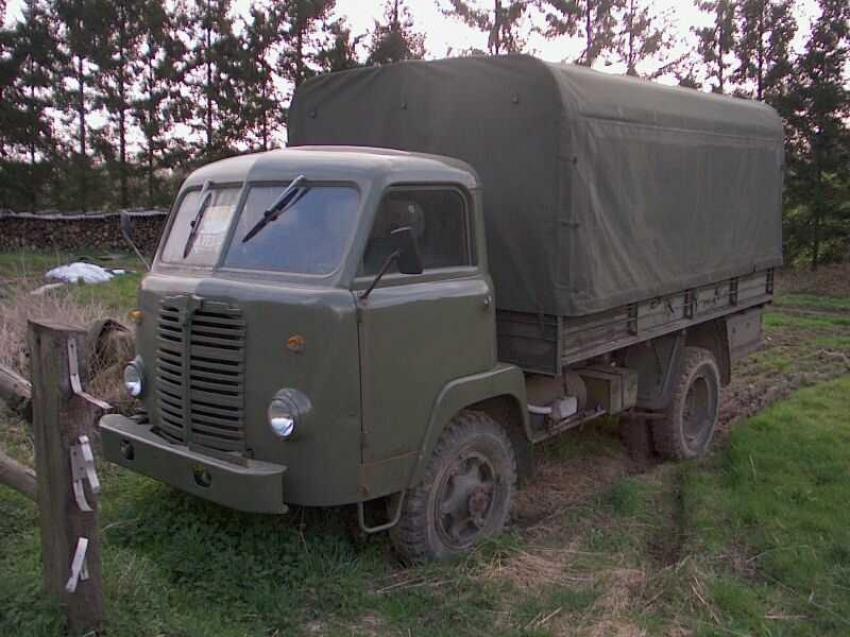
502, 380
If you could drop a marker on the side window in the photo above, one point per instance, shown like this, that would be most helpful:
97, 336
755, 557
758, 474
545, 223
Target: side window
440, 222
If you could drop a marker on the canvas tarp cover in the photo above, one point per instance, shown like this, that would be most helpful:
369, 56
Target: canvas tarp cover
598, 190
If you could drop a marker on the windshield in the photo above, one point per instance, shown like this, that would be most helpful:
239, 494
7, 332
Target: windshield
309, 237
212, 229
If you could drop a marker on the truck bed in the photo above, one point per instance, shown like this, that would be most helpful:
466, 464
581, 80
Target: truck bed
545, 343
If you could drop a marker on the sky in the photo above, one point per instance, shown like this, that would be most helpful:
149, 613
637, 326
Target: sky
444, 35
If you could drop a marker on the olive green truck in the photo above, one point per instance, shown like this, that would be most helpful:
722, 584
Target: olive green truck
453, 261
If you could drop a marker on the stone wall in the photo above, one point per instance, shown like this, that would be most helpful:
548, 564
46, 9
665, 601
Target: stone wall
79, 231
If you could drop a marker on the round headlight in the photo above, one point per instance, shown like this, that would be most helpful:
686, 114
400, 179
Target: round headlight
133, 378
286, 412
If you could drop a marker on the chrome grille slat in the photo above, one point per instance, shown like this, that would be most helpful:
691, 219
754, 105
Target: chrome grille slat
200, 374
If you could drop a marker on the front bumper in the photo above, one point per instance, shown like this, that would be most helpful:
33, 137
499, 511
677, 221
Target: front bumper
256, 487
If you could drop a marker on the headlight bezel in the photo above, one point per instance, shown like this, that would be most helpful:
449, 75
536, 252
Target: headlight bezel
286, 412
133, 378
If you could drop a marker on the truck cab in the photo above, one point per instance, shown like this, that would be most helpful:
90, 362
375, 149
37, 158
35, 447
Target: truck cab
283, 358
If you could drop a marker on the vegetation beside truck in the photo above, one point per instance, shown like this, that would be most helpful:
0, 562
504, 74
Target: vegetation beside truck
463, 258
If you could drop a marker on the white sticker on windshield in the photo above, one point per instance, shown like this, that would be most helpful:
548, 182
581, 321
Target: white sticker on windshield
214, 226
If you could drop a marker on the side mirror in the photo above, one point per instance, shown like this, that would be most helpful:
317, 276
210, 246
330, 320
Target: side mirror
409, 257
127, 227
405, 255
126, 224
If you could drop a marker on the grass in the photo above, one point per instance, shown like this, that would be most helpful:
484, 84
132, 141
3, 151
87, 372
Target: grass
776, 500
751, 541
814, 302
773, 319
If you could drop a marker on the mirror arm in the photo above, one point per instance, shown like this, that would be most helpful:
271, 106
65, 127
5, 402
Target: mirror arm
125, 226
384, 267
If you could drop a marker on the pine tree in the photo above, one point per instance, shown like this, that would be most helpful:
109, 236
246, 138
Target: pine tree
299, 36
339, 52
592, 20
819, 134
34, 52
715, 42
81, 30
499, 19
261, 111
643, 36
157, 100
395, 40
119, 68
763, 47
212, 64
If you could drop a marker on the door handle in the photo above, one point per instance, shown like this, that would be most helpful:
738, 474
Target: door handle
487, 302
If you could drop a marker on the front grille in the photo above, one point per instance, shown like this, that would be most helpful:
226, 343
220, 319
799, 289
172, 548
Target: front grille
200, 374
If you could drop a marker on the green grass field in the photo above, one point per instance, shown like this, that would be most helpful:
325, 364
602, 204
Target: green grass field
753, 540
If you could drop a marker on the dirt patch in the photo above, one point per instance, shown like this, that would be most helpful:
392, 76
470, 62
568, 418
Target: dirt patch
827, 280
557, 484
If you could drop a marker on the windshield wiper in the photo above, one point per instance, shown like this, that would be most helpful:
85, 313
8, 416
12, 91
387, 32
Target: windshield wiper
291, 195
195, 224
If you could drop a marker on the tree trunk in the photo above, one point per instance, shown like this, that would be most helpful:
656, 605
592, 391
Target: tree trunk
33, 133
588, 60
299, 55
209, 86
81, 114
149, 131
760, 56
122, 124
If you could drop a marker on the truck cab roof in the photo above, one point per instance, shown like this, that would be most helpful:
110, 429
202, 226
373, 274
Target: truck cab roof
337, 163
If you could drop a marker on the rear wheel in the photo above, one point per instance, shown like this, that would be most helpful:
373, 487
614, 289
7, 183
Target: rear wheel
465, 494
688, 424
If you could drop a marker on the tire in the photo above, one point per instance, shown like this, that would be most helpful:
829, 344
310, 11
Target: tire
690, 419
470, 477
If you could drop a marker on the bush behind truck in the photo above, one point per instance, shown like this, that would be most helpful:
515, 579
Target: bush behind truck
457, 260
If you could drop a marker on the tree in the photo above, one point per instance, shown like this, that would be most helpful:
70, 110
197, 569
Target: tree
34, 55
117, 60
161, 54
715, 42
81, 32
339, 52
819, 135
300, 38
261, 111
765, 31
395, 40
642, 36
592, 20
500, 20
210, 74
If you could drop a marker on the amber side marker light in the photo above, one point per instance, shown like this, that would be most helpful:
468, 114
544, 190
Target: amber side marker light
135, 316
295, 343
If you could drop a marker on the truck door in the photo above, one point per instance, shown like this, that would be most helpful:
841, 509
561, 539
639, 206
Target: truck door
418, 332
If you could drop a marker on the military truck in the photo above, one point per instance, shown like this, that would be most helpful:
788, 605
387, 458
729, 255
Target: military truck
456, 260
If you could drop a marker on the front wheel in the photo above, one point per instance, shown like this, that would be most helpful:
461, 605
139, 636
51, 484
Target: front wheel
465, 494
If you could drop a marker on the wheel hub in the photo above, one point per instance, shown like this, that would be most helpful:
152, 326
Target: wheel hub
465, 499
479, 503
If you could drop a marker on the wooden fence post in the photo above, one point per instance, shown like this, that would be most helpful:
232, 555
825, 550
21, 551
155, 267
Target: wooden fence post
60, 417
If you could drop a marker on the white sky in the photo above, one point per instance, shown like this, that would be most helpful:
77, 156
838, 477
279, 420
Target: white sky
444, 35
